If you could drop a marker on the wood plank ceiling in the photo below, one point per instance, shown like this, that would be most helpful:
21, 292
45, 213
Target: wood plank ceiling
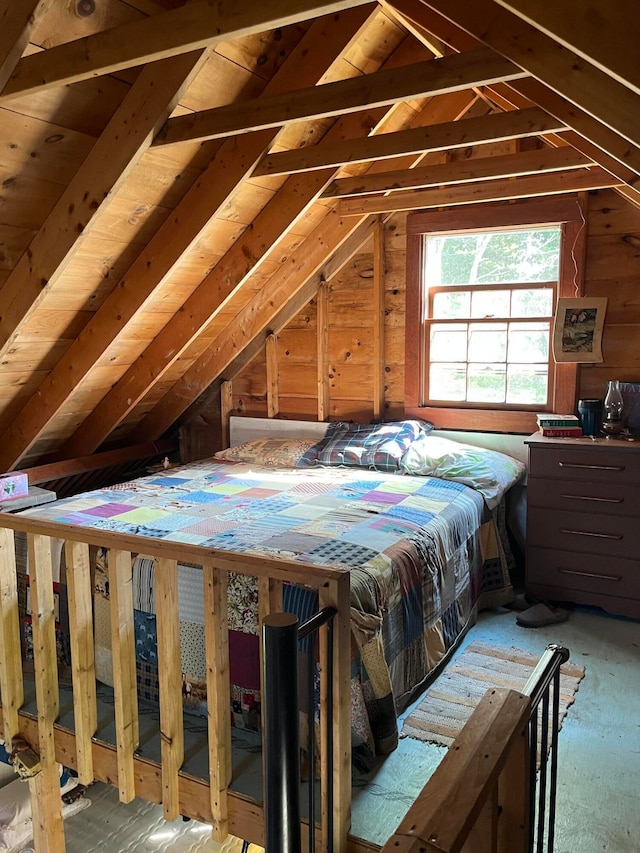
177, 179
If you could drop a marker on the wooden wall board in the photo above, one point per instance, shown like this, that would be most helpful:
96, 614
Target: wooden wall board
623, 296
13, 242
26, 201
219, 82
609, 213
612, 255
163, 180
61, 22
43, 149
130, 221
263, 53
84, 107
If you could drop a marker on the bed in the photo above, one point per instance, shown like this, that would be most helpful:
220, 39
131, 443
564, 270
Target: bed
420, 537
424, 554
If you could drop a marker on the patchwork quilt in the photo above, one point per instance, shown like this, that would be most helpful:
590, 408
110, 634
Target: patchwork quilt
420, 558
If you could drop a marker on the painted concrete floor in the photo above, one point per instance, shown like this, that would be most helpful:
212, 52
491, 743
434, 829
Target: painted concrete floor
599, 745
599, 757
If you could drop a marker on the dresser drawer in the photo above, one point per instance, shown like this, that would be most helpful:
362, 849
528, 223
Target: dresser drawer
585, 463
584, 572
589, 496
609, 535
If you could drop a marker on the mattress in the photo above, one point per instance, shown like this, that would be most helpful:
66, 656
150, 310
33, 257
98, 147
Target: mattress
421, 553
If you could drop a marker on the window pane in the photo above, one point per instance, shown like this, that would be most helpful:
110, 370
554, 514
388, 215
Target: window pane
487, 341
493, 257
448, 342
447, 381
491, 303
451, 305
529, 342
486, 383
532, 303
527, 385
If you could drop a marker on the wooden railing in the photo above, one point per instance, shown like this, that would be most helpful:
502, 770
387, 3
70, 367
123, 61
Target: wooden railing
477, 800
132, 775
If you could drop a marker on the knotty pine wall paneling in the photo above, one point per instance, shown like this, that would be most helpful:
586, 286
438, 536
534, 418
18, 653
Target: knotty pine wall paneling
612, 270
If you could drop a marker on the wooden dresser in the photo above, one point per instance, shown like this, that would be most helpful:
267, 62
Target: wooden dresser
583, 522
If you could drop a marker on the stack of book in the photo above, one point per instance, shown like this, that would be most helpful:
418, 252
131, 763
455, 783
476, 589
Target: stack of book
559, 426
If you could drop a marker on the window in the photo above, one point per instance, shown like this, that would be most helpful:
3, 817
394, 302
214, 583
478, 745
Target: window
481, 290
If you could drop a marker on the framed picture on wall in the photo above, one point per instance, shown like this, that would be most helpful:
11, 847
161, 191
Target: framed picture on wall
577, 329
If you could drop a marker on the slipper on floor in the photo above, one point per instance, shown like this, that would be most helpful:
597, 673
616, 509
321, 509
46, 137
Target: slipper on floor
540, 615
521, 601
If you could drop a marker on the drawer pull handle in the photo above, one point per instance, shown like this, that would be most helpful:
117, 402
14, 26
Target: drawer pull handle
589, 533
591, 498
591, 467
590, 574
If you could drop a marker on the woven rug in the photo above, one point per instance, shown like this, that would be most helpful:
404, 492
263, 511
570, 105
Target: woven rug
450, 701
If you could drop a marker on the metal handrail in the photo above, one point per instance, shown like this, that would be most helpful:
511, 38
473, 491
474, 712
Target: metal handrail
542, 814
281, 635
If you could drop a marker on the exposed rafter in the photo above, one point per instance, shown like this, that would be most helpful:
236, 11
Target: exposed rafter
436, 77
17, 22
560, 69
620, 158
127, 136
234, 270
199, 24
232, 163
257, 317
597, 31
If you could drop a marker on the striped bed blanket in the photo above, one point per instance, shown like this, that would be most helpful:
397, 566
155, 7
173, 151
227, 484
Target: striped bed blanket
423, 556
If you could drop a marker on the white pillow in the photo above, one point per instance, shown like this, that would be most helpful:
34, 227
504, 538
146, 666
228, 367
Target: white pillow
489, 472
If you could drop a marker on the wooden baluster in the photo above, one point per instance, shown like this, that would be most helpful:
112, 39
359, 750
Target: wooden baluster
336, 593
79, 590
44, 788
169, 671
216, 630
11, 686
124, 669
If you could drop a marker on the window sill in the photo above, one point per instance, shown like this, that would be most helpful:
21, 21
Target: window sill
482, 420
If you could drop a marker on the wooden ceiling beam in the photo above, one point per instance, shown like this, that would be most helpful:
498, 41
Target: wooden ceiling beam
618, 157
17, 22
123, 142
480, 191
597, 31
229, 275
558, 68
255, 318
543, 160
231, 164
268, 307
389, 86
198, 24
456, 134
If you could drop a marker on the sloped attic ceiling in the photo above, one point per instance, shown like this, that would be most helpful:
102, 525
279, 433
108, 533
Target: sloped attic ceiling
178, 178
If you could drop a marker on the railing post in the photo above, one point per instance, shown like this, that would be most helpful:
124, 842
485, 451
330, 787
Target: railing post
281, 733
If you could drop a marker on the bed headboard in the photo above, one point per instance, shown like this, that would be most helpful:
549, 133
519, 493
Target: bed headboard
242, 429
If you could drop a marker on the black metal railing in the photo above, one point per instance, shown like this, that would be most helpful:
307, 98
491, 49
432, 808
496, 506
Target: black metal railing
543, 688
282, 640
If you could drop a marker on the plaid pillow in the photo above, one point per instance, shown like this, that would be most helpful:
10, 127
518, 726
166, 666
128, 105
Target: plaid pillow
334, 430
379, 447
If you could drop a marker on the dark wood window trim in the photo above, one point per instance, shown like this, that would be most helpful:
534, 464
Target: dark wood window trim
566, 211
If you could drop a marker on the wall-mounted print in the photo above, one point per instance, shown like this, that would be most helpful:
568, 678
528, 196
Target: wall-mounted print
577, 330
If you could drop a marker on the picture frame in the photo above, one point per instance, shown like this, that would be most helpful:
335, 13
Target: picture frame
577, 329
